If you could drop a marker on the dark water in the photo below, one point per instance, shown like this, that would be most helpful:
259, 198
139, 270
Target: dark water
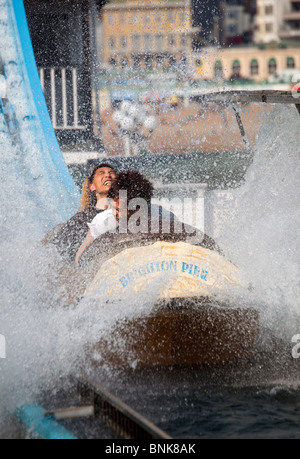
255, 398
258, 398
221, 402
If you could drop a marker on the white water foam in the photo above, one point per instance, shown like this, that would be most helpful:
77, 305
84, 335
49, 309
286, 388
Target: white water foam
262, 232
46, 337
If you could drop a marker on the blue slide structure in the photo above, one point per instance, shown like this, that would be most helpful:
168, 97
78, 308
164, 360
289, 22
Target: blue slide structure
41, 426
33, 173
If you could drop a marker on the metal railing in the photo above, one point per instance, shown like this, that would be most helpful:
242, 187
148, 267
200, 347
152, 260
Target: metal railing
62, 102
118, 415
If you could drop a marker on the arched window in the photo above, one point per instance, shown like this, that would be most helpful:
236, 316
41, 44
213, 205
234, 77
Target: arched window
113, 62
136, 61
183, 62
218, 69
290, 63
172, 61
112, 42
236, 67
254, 68
124, 62
149, 61
272, 66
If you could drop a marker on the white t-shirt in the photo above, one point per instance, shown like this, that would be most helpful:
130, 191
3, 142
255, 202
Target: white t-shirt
105, 221
102, 223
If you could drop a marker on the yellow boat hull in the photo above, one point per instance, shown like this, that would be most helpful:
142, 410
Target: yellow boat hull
185, 325
173, 270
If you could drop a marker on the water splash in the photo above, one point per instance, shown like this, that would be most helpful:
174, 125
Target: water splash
46, 339
262, 231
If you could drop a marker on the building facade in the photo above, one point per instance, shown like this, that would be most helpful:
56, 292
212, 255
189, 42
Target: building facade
146, 34
290, 29
237, 23
277, 20
268, 21
247, 62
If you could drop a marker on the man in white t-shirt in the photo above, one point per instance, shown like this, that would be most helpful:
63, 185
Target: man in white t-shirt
134, 186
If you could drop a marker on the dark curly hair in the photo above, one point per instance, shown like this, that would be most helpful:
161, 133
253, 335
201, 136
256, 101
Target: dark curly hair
136, 185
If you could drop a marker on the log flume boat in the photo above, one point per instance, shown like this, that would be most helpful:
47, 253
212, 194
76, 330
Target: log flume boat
188, 324
185, 282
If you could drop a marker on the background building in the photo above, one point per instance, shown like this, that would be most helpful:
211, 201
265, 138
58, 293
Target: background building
62, 38
237, 24
177, 42
290, 29
208, 16
268, 21
146, 34
277, 20
252, 63
224, 22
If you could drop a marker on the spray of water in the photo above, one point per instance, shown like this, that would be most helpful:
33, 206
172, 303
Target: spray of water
262, 234
46, 338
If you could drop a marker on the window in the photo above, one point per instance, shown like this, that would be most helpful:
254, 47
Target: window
148, 42
136, 61
123, 42
135, 42
236, 67
269, 10
171, 17
159, 42
290, 63
149, 62
124, 62
171, 41
272, 66
232, 30
218, 69
232, 14
254, 67
269, 27
184, 41
112, 42
172, 61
